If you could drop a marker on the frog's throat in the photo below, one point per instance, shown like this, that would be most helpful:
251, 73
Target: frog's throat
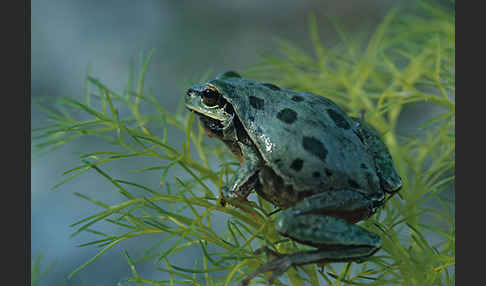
227, 125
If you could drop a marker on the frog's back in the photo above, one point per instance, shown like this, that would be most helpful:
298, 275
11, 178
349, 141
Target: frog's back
306, 138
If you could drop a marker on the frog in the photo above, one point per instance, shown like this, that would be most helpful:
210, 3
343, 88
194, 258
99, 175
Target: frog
301, 152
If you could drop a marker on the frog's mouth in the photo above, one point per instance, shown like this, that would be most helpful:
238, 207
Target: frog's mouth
214, 114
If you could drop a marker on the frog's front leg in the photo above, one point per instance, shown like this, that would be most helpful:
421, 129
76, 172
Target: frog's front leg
244, 178
325, 221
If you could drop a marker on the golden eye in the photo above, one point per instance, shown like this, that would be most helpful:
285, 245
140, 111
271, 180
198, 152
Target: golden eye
210, 96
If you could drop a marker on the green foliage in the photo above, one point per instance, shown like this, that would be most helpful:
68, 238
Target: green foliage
408, 59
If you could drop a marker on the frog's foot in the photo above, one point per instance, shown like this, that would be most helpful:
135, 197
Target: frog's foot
239, 202
323, 256
277, 266
270, 253
244, 180
226, 197
229, 197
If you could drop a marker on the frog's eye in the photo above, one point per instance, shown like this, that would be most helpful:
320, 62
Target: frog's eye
210, 97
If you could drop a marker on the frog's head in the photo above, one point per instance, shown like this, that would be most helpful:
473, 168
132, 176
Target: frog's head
208, 101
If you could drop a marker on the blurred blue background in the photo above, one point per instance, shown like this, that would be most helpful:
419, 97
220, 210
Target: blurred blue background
189, 37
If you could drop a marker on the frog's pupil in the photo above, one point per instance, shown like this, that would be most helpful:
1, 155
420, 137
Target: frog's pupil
210, 97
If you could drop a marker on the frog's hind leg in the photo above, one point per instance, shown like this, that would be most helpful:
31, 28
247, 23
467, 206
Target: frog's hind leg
390, 180
325, 221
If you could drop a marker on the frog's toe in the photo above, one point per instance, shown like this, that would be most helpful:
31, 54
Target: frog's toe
270, 253
226, 196
277, 267
222, 202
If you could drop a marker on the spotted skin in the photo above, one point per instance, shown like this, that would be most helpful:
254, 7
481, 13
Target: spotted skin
305, 125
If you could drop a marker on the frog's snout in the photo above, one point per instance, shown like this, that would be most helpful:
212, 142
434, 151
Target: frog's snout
192, 99
190, 92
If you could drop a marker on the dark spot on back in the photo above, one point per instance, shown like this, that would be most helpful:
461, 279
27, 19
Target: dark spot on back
338, 119
287, 115
256, 102
271, 86
251, 118
353, 184
315, 147
328, 172
297, 164
297, 98
316, 174
363, 166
